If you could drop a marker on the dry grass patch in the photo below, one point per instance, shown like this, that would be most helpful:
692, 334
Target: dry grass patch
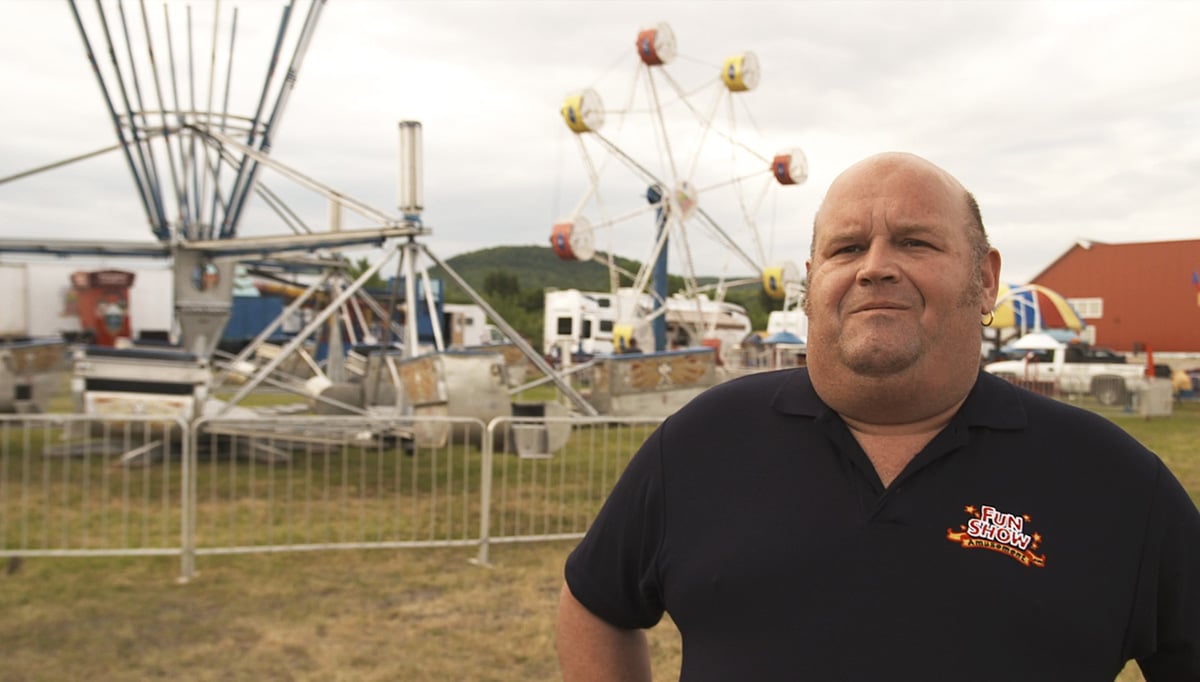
361, 615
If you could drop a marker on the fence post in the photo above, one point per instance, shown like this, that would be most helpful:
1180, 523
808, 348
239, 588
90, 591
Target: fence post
485, 493
187, 501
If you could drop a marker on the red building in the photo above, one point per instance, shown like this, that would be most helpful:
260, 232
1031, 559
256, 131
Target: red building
1133, 296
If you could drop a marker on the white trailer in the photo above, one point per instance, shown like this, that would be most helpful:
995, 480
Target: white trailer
468, 326
35, 315
152, 301
584, 321
793, 321
39, 300
578, 322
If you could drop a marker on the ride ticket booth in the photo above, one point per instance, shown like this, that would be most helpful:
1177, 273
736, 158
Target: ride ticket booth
102, 299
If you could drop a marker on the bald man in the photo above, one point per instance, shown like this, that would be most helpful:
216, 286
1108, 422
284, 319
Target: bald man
889, 511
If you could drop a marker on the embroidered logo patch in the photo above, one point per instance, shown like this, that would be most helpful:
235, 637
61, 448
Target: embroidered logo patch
990, 528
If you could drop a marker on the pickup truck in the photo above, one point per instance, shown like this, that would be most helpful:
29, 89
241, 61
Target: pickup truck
1073, 368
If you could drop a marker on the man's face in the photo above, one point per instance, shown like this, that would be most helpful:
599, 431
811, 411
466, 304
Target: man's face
892, 282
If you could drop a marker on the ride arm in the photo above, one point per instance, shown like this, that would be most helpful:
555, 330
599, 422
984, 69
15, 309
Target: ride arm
592, 650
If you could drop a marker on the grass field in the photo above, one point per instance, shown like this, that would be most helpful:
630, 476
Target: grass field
339, 615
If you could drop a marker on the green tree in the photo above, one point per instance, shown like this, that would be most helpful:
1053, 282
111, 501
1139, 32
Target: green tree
521, 308
501, 284
358, 267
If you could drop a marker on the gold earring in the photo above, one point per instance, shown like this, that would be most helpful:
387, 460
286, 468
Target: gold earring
990, 318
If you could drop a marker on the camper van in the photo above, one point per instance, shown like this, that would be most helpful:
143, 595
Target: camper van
582, 322
578, 322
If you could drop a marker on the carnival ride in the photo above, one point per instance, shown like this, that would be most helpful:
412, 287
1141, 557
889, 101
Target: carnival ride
675, 168
196, 166
196, 162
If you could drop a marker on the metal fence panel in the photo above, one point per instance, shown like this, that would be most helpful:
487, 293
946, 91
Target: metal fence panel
75, 485
550, 475
306, 483
78, 485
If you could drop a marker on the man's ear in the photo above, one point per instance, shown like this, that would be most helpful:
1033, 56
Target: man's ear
990, 274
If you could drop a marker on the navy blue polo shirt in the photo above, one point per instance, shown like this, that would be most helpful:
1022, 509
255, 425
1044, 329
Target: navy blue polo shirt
1029, 540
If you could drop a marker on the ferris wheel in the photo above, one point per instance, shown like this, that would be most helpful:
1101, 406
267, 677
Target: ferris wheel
675, 173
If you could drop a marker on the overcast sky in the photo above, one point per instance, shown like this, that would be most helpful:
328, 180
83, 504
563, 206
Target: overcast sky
1068, 120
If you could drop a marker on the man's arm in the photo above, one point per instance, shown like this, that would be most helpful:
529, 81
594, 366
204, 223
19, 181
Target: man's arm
591, 650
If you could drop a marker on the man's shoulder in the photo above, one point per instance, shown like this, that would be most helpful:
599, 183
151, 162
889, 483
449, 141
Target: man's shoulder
998, 395
753, 399
753, 391
1074, 433
1063, 416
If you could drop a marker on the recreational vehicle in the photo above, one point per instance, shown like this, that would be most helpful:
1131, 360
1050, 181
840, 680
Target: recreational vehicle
583, 322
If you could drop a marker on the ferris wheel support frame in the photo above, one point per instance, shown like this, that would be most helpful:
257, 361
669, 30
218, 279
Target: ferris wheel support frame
654, 194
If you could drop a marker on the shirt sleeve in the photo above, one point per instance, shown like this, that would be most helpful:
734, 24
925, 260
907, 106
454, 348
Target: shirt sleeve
1170, 587
614, 570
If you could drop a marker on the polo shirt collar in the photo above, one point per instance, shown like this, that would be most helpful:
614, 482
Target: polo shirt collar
992, 403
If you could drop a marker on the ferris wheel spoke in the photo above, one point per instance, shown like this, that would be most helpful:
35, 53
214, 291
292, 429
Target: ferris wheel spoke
752, 211
606, 260
647, 176
593, 191
735, 181
618, 220
706, 130
686, 250
685, 98
729, 241
593, 177
734, 141
631, 96
725, 285
748, 217
661, 127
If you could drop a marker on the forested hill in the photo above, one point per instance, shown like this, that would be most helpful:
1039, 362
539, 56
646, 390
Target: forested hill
535, 267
